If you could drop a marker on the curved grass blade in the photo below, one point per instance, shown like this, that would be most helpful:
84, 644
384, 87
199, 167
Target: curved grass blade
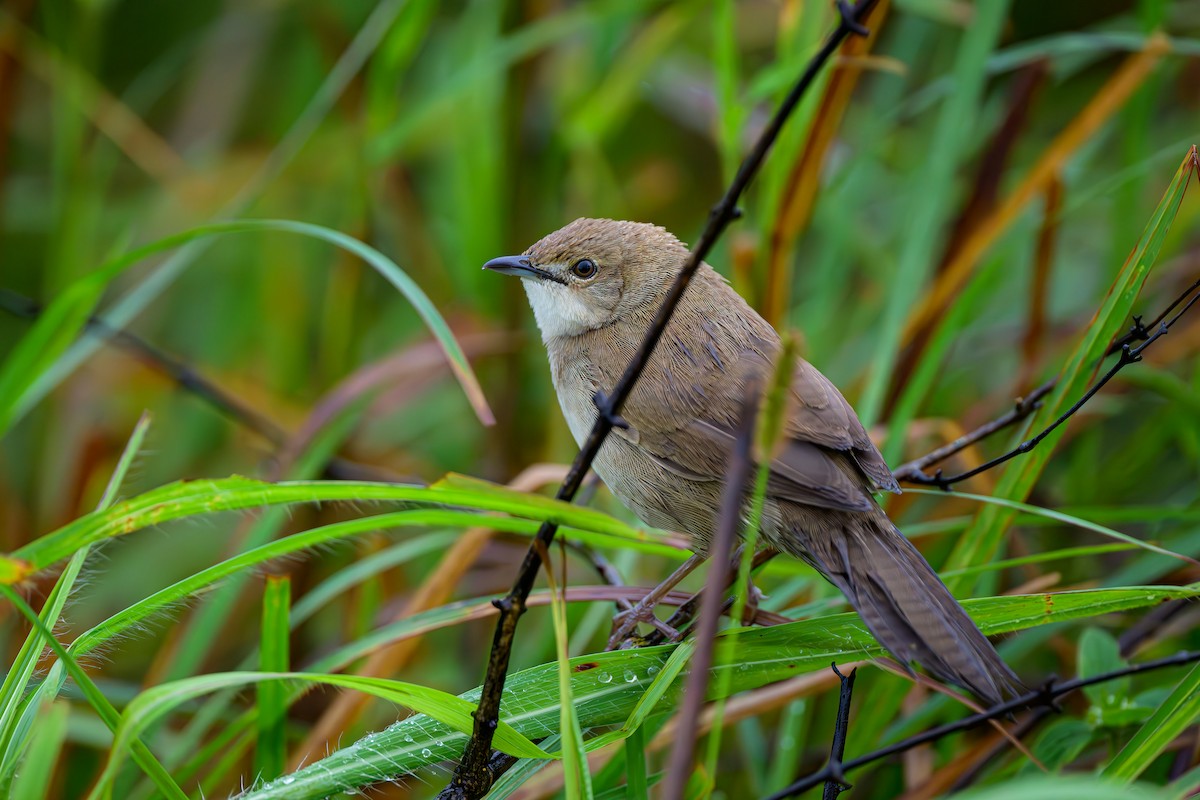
980, 541
15, 730
609, 686
136, 615
190, 498
1176, 714
1058, 516
103, 708
151, 705
66, 315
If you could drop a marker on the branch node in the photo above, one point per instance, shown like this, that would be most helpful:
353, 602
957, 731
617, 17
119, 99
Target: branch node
609, 414
1048, 696
849, 19
1138, 330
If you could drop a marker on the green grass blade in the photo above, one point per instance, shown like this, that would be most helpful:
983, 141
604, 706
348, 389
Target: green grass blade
64, 318
577, 777
138, 613
299, 132
37, 768
1176, 714
980, 542
270, 755
455, 712
1058, 516
204, 627
15, 729
951, 141
103, 708
191, 498
1062, 787
636, 787
602, 697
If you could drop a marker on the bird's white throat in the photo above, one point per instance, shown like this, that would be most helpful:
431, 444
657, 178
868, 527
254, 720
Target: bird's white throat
560, 310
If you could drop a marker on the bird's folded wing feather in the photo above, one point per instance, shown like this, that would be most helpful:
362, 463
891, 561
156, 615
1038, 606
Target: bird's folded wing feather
826, 460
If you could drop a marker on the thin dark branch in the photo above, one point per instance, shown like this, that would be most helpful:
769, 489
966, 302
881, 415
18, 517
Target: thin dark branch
1147, 627
197, 384
914, 471
165, 363
841, 728
472, 778
1045, 697
679, 766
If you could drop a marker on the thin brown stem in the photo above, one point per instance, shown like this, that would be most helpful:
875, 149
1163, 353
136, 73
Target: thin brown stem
679, 767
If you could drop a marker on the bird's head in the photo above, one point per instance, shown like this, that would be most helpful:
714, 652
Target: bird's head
593, 273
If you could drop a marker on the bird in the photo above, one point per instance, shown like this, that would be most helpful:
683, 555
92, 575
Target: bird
594, 286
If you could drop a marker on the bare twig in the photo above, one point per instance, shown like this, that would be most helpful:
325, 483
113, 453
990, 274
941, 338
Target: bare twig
1045, 697
1147, 627
679, 767
284, 445
841, 727
472, 778
914, 471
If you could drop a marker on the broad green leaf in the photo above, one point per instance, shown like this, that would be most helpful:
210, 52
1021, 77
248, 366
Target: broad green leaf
1060, 743
1099, 653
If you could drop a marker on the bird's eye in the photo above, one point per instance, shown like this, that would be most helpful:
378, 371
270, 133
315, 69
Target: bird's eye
584, 268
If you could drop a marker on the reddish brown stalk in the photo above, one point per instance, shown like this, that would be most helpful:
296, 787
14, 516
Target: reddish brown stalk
1043, 264
803, 182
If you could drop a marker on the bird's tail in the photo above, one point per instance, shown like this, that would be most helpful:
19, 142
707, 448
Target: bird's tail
904, 603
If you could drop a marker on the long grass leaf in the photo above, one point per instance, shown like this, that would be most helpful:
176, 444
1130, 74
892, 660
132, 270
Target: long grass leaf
981, 540
65, 317
270, 755
602, 697
1176, 714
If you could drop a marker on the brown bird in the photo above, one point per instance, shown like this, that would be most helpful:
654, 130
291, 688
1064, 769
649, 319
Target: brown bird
594, 287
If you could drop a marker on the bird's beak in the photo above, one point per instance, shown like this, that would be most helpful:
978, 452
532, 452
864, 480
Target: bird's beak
520, 267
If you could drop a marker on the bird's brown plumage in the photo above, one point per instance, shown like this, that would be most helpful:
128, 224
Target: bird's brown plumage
668, 466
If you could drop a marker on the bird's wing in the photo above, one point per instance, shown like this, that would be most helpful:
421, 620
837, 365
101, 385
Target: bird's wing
822, 416
826, 460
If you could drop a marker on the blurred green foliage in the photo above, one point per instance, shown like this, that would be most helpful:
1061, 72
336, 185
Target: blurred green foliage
446, 133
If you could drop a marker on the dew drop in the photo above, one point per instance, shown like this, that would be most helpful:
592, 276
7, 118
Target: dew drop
651, 670
630, 676
408, 739
286, 779
604, 677
426, 752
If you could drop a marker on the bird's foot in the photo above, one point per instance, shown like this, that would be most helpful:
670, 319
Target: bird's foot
754, 596
626, 622
624, 630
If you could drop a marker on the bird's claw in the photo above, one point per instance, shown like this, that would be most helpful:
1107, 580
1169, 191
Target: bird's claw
625, 624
